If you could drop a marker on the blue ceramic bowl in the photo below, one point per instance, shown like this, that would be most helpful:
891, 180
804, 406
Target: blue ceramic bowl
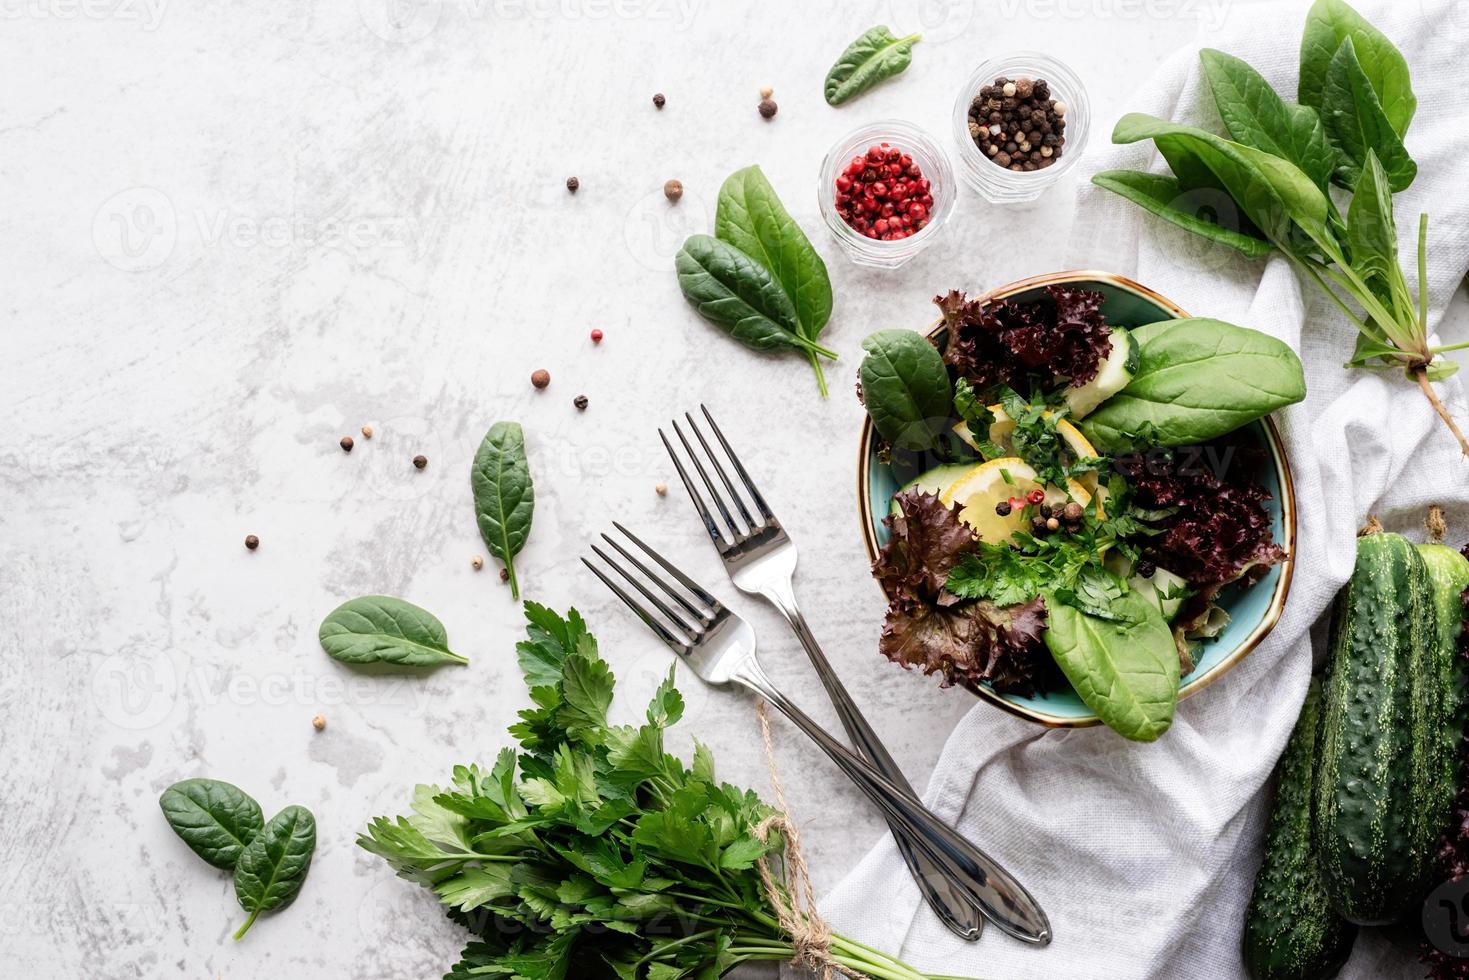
1253, 609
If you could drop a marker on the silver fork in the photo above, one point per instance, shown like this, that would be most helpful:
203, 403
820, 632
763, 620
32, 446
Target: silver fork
761, 560
720, 648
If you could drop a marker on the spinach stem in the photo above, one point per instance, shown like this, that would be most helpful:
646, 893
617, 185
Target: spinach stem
1423, 273
510, 571
240, 933
816, 366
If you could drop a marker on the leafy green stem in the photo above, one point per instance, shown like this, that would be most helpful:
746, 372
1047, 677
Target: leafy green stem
240, 932
1423, 273
816, 367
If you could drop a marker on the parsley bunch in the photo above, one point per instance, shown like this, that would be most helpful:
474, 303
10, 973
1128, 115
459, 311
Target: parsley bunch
592, 852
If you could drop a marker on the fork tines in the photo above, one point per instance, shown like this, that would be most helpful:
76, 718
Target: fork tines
681, 630
722, 501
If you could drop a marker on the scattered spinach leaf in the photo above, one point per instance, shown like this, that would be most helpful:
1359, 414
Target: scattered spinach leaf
1328, 24
1197, 379
905, 387
750, 217
1372, 236
382, 629
504, 498
216, 819
272, 869
1357, 124
1125, 667
874, 57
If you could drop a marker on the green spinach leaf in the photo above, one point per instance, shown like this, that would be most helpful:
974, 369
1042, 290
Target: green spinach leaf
1162, 195
1273, 193
736, 293
381, 629
273, 867
905, 387
750, 217
1328, 24
1197, 379
504, 498
1357, 124
1256, 116
1125, 667
874, 57
216, 819
1372, 235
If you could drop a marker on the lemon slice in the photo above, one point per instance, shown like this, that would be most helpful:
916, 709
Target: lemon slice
1004, 425
986, 484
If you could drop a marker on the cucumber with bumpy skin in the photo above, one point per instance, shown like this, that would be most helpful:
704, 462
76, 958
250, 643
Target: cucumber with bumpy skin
1448, 574
1377, 810
1291, 931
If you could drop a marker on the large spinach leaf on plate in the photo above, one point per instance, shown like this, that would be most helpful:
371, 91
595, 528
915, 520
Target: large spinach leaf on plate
1197, 379
272, 869
504, 496
905, 388
1358, 125
1125, 667
1331, 22
874, 57
216, 819
382, 629
1256, 116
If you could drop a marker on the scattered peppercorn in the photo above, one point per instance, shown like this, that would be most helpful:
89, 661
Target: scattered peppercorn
580, 401
504, 575
476, 563
1053, 524
1036, 496
596, 336
1003, 508
768, 108
251, 542
1017, 124
766, 92
572, 184
420, 461
540, 377
883, 194
1038, 524
1072, 512
658, 99
367, 432
1146, 568
673, 190
661, 489
1045, 510
346, 444
319, 722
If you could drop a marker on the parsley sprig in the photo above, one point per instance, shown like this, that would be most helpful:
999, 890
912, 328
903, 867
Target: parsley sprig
592, 851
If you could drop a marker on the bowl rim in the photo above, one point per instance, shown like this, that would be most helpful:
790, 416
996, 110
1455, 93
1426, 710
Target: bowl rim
1277, 451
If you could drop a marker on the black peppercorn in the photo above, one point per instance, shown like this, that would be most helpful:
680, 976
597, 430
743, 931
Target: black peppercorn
572, 184
420, 461
1003, 508
768, 108
1072, 512
1146, 568
252, 542
580, 401
1038, 524
346, 444
658, 100
1045, 510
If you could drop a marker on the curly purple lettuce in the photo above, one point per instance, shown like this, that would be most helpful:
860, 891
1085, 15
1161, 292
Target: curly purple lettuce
1061, 339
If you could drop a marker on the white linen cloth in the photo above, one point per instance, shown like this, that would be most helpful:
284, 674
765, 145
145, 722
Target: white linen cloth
1144, 855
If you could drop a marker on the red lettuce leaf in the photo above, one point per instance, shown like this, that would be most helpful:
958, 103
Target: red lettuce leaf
928, 627
1062, 338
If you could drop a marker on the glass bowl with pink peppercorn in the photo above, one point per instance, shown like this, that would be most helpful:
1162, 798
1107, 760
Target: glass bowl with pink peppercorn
885, 191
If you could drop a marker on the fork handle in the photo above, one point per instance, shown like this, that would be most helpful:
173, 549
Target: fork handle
983, 881
955, 909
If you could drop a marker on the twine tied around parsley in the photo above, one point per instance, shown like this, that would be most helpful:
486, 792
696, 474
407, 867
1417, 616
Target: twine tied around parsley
789, 890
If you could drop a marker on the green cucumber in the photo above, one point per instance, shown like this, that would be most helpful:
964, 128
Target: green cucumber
1377, 811
1291, 931
1115, 371
1448, 573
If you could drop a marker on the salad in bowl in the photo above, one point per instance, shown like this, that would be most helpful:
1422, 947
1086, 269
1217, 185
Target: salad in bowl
1074, 498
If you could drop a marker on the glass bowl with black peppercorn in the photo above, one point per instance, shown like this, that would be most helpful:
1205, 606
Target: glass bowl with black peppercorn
885, 191
1021, 122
